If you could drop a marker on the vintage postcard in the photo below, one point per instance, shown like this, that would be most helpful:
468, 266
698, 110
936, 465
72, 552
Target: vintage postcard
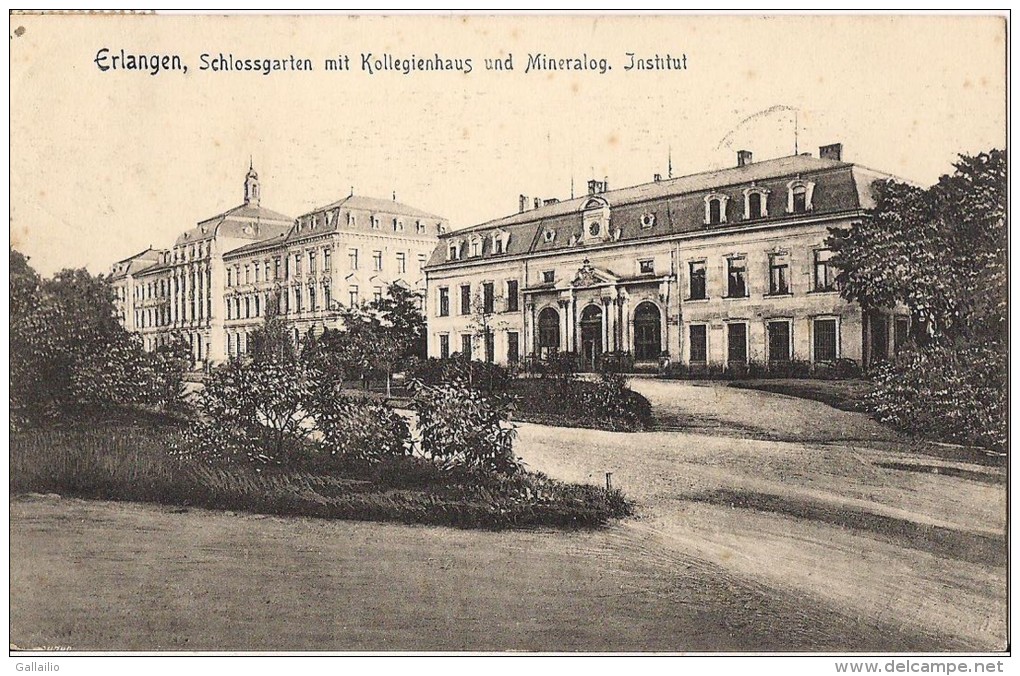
679, 334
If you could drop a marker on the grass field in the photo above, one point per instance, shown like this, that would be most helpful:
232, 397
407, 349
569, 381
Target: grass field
135, 463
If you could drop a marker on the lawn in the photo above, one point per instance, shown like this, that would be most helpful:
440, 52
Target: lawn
138, 463
93, 575
846, 395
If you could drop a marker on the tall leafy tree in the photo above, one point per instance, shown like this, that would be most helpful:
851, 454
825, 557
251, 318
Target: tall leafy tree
941, 251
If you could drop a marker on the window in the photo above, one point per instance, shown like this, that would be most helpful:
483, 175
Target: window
755, 203
465, 299
697, 276
230, 277
398, 225
647, 267
548, 277
297, 299
453, 252
490, 347
376, 222
419, 227
779, 274
465, 345
327, 295
352, 255
476, 247
825, 342
247, 274
736, 277
444, 302
715, 209
257, 268
513, 347
825, 280
549, 330
714, 212
401, 263
377, 293
699, 343
488, 298
736, 343
799, 194
327, 263
799, 199
512, 301
444, 346
352, 293
297, 265
377, 260
276, 266
311, 298
247, 307
422, 260
497, 245
779, 341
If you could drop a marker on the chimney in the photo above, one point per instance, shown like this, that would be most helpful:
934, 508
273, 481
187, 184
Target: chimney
657, 178
551, 200
592, 185
538, 202
743, 158
522, 204
605, 184
831, 152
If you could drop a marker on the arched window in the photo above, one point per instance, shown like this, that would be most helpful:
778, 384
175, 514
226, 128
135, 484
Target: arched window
548, 330
755, 203
647, 331
799, 196
715, 209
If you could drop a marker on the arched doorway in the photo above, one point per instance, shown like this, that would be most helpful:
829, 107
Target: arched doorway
647, 332
548, 331
591, 335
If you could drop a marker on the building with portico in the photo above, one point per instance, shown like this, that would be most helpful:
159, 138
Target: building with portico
723, 267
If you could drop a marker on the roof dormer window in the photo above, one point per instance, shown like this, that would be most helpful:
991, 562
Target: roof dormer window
799, 196
755, 203
398, 225
352, 220
453, 252
549, 236
476, 247
715, 209
500, 241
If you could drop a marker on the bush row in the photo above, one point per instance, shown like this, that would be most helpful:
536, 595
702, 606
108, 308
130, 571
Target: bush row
957, 393
841, 369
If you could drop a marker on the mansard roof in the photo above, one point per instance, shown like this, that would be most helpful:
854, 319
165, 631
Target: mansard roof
242, 222
134, 264
677, 206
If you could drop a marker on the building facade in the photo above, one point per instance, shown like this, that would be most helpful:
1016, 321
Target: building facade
718, 269
214, 287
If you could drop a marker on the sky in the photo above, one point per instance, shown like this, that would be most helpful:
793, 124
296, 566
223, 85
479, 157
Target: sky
107, 163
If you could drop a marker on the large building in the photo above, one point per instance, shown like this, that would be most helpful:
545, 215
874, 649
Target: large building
214, 287
717, 269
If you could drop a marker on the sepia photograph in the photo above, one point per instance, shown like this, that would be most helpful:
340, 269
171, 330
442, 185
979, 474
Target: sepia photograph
542, 334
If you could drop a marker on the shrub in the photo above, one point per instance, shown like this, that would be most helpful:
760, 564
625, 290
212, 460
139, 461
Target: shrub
357, 429
254, 409
492, 379
947, 393
460, 425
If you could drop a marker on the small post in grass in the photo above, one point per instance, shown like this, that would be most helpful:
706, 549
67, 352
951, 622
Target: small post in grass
609, 481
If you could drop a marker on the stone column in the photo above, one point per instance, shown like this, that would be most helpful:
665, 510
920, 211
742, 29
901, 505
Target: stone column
564, 324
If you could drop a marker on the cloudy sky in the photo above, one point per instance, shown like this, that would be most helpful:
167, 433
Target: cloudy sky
104, 164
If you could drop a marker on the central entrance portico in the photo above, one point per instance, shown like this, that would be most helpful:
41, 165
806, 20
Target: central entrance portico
597, 311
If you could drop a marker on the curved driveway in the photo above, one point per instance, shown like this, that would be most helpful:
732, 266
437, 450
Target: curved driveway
815, 504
